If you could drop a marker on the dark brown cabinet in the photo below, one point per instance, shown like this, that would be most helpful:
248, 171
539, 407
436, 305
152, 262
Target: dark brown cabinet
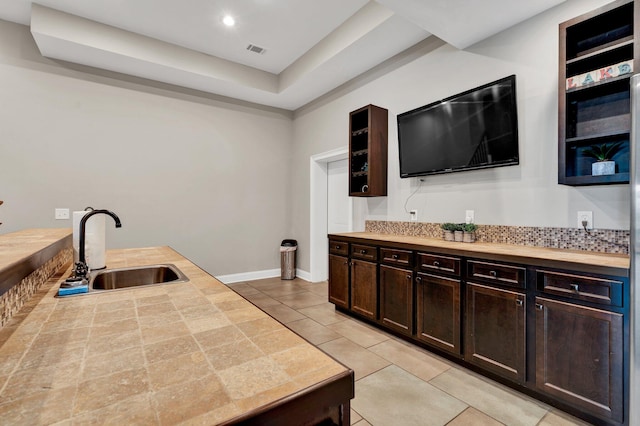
553, 328
339, 281
597, 57
579, 356
495, 332
368, 133
438, 312
364, 288
396, 299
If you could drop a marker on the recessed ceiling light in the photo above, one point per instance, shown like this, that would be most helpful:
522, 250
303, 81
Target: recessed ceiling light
229, 21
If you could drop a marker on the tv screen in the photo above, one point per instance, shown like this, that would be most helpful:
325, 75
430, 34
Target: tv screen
472, 130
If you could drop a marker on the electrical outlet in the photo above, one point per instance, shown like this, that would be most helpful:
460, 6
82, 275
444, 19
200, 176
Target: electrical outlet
585, 216
413, 214
469, 216
62, 214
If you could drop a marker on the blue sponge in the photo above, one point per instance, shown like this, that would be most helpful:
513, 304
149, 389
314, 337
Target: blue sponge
67, 291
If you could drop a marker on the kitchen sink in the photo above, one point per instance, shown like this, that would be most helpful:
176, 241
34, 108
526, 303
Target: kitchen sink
113, 279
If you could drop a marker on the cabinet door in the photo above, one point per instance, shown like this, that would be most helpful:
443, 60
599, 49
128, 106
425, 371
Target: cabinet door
339, 281
364, 288
396, 298
579, 356
496, 331
438, 312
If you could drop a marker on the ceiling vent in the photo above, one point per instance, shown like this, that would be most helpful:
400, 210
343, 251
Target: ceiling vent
256, 49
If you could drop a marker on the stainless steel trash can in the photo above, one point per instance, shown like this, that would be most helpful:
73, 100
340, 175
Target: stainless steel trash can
288, 259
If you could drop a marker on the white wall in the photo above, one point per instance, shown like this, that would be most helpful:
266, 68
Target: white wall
527, 194
223, 182
207, 177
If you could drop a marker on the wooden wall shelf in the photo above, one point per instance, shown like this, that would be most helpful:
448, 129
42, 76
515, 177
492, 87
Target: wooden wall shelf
368, 133
596, 110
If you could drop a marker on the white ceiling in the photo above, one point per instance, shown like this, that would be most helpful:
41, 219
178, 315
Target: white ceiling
311, 46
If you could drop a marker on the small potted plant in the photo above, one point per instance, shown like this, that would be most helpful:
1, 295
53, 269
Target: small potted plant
469, 234
603, 153
458, 233
448, 229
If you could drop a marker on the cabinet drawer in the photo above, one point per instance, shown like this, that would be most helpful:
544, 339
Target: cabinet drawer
397, 257
364, 252
513, 276
591, 289
338, 247
434, 262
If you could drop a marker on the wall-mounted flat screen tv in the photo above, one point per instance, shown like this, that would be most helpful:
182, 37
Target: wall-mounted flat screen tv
472, 130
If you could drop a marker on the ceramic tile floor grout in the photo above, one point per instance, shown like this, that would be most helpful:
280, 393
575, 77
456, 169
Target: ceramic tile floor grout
303, 307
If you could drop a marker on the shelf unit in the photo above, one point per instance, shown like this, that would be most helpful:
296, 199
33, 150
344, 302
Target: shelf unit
368, 132
598, 52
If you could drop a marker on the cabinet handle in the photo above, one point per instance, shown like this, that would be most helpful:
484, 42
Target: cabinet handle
419, 279
409, 277
493, 274
539, 306
575, 287
519, 302
395, 256
436, 263
363, 252
337, 247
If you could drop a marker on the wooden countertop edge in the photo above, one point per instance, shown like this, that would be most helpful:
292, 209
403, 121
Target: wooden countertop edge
294, 408
539, 255
17, 271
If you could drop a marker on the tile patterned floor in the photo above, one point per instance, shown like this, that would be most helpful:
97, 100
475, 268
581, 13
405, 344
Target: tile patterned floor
396, 383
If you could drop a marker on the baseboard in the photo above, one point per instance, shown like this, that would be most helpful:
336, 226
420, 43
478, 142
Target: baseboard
303, 275
259, 275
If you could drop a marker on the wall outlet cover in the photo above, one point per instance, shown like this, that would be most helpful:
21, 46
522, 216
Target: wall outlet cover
469, 216
585, 216
413, 214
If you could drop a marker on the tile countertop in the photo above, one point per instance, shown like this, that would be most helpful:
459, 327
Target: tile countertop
16, 246
617, 264
23, 252
193, 352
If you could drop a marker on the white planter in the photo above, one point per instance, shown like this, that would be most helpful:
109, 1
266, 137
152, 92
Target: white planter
601, 168
468, 237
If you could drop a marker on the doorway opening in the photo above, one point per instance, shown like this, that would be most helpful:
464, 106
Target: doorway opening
318, 220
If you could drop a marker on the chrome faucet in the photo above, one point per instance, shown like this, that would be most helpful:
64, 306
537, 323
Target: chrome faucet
81, 269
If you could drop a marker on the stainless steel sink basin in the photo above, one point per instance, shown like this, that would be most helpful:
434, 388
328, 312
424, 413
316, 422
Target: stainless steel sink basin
112, 279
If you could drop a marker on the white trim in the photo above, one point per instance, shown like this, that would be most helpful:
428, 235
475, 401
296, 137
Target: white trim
318, 243
303, 275
248, 276
259, 275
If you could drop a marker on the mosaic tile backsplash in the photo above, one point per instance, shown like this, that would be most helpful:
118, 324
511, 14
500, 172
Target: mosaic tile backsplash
18, 295
598, 240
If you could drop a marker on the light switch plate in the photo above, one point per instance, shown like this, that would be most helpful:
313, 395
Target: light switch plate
62, 214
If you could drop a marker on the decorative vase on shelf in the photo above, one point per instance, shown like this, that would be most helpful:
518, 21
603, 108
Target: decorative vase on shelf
602, 168
603, 153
